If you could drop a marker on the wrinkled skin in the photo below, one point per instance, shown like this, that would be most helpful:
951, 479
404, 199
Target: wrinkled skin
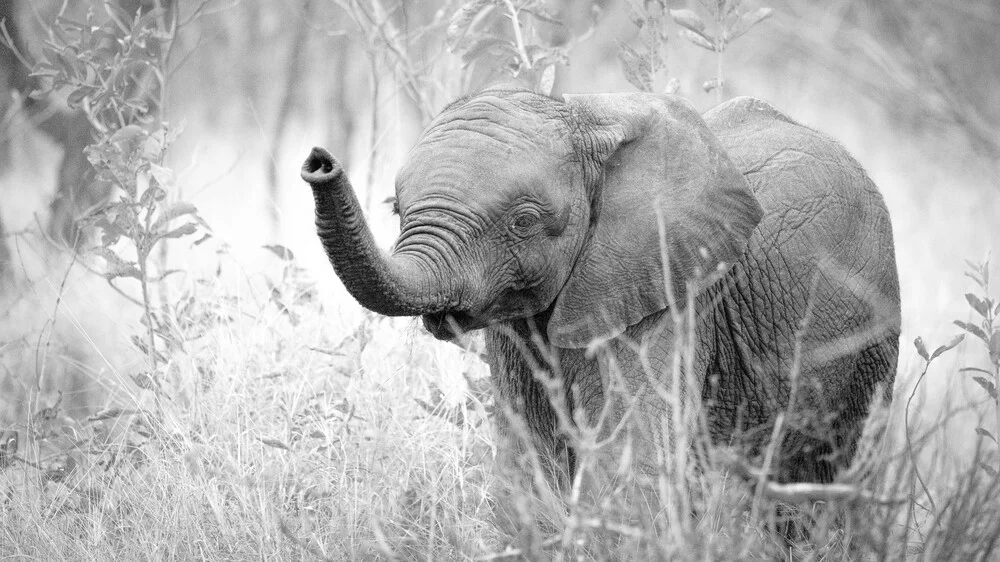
546, 223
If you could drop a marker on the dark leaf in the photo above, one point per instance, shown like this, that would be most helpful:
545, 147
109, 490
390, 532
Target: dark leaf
972, 329
985, 433
144, 380
921, 348
950, 345
151, 194
77, 96
280, 251
978, 305
989, 470
747, 21
703, 41
987, 385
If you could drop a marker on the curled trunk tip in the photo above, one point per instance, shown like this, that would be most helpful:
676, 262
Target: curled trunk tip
320, 166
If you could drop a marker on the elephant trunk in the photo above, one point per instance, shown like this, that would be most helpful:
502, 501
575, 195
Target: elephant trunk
389, 285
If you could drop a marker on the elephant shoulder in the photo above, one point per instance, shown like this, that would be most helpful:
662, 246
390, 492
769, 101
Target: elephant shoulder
765, 142
744, 111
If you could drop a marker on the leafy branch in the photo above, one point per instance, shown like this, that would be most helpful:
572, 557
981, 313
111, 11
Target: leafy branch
730, 24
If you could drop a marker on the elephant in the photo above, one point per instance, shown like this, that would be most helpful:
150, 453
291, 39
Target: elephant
584, 233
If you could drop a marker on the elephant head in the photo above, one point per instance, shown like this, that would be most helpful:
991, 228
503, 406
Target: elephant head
515, 205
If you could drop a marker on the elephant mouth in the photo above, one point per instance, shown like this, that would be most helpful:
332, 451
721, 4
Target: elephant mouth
449, 325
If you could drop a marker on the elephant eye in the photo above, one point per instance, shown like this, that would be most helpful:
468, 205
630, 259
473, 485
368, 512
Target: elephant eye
523, 222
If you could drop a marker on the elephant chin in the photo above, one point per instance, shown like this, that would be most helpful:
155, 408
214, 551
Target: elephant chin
449, 326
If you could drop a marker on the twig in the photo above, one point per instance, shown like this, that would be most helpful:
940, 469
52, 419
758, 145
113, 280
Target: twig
909, 444
518, 37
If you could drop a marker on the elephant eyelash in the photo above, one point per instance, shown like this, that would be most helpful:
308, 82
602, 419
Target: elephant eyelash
393, 203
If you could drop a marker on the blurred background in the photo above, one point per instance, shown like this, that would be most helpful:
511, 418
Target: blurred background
908, 86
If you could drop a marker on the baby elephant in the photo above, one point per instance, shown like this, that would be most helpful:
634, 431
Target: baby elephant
592, 237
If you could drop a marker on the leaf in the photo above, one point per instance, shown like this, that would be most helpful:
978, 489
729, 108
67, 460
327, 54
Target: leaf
274, 443
988, 386
163, 175
921, 348
972, 329
547, 80
673, 86
280, 251
975, 278
541, 14
178, 209
985, 433
127, 132
747, 21
974, 370
689, 20
462, 19
638, 68
40, 94
76, 97
484, 46
116, 266
710, 85
180, 231
950, 345
989, 470
978, 305
705, 42
108, 413
635, 14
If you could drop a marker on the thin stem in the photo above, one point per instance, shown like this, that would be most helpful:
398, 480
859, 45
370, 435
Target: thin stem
518, 38
909, 444
719, 81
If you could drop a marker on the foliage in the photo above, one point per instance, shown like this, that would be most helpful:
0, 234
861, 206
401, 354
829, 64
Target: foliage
114, 70
643, 64
517, 37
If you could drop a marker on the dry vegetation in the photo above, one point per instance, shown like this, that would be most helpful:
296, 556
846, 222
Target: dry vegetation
226, 400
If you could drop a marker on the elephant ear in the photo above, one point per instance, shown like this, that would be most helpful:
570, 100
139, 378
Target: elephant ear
664, 191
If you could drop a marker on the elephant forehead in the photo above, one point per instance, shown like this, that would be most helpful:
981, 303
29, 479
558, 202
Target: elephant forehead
467, 163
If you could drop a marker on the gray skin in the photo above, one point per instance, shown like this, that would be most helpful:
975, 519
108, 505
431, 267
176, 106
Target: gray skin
546, 222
